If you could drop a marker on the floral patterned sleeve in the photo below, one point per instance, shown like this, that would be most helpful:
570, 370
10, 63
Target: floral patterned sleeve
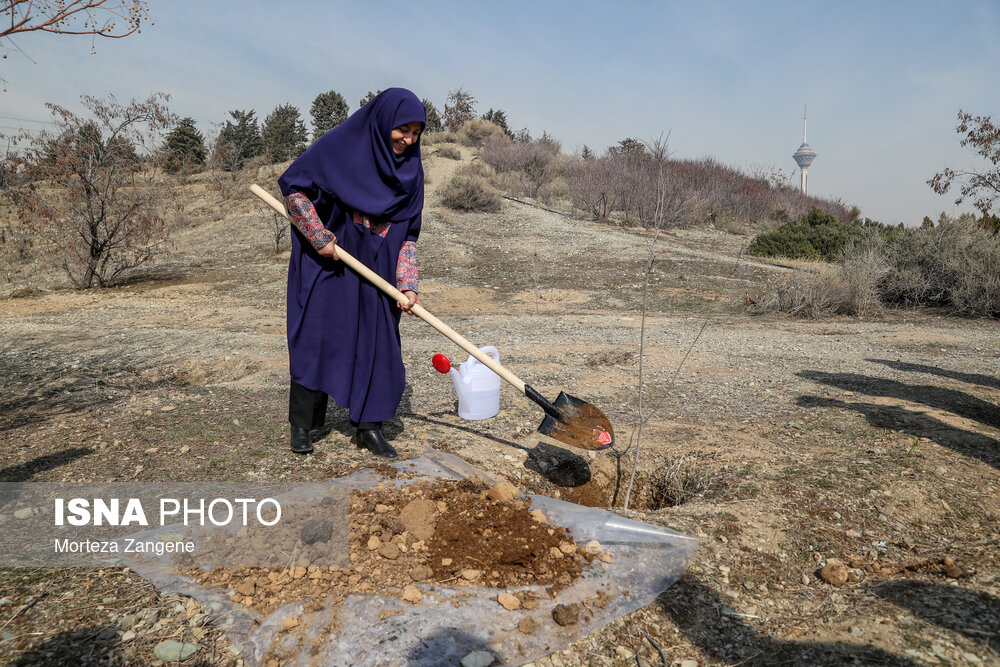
406, 267
306, 221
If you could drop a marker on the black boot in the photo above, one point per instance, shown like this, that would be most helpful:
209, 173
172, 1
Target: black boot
301, 443
373, 440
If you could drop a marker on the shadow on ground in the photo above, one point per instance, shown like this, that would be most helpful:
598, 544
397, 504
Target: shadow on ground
967, 443
970, 613
951, 400
698, 612
970, 378
23, 472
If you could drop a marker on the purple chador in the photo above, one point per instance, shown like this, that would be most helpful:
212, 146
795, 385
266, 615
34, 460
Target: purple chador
343, 333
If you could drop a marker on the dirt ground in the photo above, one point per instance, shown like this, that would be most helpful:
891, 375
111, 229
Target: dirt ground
781, 444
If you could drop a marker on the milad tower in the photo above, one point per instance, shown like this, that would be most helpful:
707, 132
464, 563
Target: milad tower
804, 156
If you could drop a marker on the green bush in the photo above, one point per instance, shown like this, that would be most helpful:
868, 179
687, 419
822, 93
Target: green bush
816, 235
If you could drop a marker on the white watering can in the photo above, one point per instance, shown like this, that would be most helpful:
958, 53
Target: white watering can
478, 387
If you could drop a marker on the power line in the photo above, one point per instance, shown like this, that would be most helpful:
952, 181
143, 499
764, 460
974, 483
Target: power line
27, 120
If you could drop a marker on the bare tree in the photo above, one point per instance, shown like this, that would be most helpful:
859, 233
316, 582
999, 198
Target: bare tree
982, 136
87, 185
98, 18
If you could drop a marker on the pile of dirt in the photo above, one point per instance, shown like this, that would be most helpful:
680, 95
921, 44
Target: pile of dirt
447, 533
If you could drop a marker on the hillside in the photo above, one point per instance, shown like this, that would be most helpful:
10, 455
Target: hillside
779, 443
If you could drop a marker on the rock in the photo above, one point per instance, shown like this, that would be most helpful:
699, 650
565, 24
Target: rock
374, 543
24, 513
5, 601
805, 579
606, 558
555, 553
566, 614
508, 601
382, 509
421, 572
567, 547
171, 650
419, 518
527, 625
289, 622
445, 562
389, 550
834, 572
246, 588
412, 594
471, 575
478, 659
128, 636
442, 506
316, 530
538, 515
502, 491
689, 663
593, 548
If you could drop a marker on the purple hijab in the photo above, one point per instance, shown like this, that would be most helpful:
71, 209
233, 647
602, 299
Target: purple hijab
355, 164
343, 333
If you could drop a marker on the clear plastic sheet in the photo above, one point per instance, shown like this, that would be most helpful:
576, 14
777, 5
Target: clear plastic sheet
451, 623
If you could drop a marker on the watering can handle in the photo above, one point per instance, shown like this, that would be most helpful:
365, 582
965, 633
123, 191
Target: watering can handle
417, 310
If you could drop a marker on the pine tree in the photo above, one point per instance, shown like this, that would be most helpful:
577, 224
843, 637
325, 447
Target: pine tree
184, 149
368, 98
433, 117
284, 134
328, 110
239, 141
498, 118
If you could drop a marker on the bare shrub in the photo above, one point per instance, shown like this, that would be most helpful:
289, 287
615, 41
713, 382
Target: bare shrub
438, 137
449, 151
681, 480
955, 264
91, 182
810, 293
470, 191
477, 131
532, 162
864, 264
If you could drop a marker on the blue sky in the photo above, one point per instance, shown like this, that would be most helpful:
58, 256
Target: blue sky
883, 80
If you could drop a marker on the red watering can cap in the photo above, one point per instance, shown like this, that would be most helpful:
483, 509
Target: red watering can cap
441, 363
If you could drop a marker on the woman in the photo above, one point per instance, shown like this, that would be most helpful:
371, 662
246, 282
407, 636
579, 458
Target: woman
361, 187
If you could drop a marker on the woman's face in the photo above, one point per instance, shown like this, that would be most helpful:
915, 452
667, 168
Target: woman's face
404, 136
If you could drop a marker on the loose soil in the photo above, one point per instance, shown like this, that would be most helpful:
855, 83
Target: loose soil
783, 443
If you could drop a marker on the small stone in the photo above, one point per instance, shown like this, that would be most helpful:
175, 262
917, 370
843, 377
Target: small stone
805, 579
855, 631
248, 587
374, 543
442, 506
382, 509
689, 663
527, 625
421, 572
316, 530
412, 594
24, 513
508, 601
567, 548
555, 553
593, 548
502, 491
538, 515
471, 575
478, 659
128, 636
834, 572
606, 558
185, 449
566, 614
389, 550
289, 622
445, 562
171, 650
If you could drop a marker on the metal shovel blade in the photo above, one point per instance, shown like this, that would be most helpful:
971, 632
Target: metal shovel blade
580, 424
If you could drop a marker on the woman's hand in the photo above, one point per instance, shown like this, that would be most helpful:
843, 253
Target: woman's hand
412, 300
330, 249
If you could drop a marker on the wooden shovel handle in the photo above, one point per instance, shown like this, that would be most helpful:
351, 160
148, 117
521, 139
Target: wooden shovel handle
417, 310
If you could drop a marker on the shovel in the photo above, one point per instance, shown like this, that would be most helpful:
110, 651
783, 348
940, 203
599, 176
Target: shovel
568, 419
